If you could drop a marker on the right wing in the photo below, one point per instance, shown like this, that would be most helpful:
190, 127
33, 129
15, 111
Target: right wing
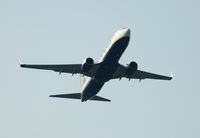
66, 68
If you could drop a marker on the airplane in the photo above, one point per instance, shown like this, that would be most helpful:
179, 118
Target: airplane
99, 73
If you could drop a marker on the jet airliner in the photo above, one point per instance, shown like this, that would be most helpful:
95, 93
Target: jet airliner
99, 73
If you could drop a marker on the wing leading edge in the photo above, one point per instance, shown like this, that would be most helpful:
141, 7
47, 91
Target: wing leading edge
138, 74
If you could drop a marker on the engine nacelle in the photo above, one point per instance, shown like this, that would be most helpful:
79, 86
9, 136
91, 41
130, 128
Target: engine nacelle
87, 64
132, 67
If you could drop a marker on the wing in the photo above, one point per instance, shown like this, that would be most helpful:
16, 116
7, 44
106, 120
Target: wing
64, 68
121, 72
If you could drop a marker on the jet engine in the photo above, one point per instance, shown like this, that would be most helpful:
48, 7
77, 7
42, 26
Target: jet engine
87, 64
131, 68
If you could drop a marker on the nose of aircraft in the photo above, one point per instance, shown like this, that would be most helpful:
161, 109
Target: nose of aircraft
126, 32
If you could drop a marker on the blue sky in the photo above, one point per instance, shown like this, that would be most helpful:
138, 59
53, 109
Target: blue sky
164, 38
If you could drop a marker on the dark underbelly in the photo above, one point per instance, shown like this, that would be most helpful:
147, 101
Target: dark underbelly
105, 72
93, 87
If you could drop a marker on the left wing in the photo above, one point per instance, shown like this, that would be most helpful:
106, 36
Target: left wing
138, 74
66, 68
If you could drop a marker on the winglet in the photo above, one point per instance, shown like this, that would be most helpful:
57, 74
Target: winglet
171, 75
19, 61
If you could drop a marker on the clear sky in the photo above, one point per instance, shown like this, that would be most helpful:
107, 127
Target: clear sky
165, 37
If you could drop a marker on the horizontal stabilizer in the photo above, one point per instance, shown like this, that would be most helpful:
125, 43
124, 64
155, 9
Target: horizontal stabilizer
70, 96
78, 96
98, 98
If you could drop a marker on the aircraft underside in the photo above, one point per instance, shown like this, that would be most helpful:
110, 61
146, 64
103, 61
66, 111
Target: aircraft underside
99, 73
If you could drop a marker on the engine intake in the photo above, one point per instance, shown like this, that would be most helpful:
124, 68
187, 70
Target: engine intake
131, 68
87, 64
